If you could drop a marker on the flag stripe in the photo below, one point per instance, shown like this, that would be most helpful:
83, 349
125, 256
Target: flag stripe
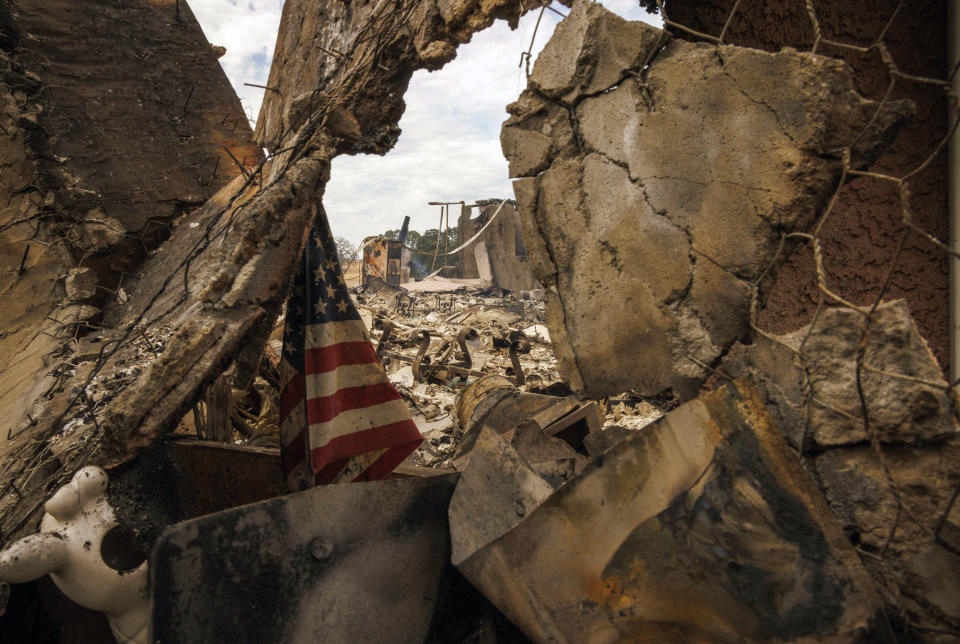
326, 408
325, 359
326, 334
400, 434
292, 395
292, 427
387, 462
365, 439
354, 375
326, 384
320, 336
293, 452
356, 420
328, 473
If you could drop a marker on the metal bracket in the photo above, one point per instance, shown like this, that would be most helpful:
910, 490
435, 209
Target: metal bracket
423, 336
515, 348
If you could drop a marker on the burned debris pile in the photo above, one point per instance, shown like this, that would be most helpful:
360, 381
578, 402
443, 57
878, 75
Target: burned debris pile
615, 447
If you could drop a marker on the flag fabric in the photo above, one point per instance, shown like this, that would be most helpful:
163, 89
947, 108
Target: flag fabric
340, 418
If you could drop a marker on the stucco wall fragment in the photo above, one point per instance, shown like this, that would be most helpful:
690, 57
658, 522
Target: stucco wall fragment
116, 120
502, 242
664, 191
862, 235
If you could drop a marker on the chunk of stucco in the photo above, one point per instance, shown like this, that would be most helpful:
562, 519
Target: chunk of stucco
897, 363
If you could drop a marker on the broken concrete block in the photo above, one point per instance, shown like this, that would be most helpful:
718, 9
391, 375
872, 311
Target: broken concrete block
589, 52
649, 231
81, 284
529, 151
915, 571
897, 363
701, 527
98, 231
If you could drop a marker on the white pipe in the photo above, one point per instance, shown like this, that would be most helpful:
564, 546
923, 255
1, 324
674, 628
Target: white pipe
485, 226
953, 54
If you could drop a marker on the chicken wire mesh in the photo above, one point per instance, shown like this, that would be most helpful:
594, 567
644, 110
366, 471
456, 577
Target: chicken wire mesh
900, 201
33, 470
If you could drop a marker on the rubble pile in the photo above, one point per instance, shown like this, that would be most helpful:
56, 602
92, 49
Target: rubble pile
498, 333
474, 332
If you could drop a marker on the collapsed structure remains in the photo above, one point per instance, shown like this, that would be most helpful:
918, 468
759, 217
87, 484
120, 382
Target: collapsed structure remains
691, 385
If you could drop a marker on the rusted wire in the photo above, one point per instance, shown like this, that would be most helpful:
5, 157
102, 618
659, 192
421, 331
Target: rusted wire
834, 298
353, 70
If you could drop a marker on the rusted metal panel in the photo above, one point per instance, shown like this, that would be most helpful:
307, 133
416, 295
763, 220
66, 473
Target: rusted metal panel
358, 562
217, 476
383, 259
374, 260
702, 527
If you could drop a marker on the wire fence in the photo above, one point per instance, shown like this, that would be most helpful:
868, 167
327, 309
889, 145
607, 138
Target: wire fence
32, 470
817, 245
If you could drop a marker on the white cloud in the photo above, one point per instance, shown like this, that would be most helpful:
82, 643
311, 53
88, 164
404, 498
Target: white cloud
248, 29
450, 146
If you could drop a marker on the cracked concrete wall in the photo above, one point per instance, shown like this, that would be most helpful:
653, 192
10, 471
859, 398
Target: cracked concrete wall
808, 379
653, 198
862, 236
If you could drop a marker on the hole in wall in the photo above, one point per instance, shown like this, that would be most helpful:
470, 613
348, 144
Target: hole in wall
449, 149
450, 146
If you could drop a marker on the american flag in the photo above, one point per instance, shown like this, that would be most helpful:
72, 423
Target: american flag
340, 418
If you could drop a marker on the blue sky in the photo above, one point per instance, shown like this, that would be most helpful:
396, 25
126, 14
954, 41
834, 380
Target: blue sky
450, 146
